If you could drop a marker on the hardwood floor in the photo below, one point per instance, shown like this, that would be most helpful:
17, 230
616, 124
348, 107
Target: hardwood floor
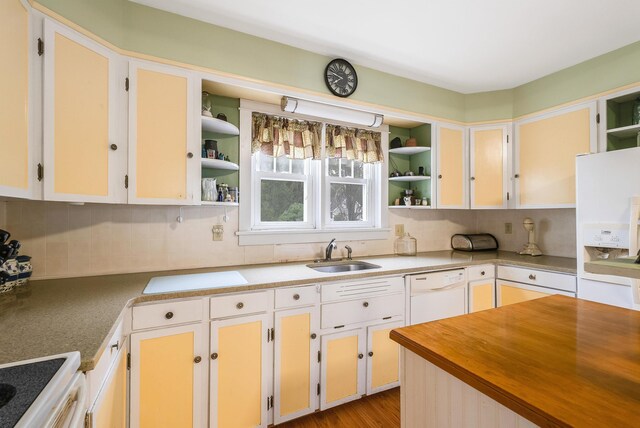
379, 410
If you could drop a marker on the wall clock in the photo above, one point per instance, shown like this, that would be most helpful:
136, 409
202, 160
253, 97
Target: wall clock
341, 78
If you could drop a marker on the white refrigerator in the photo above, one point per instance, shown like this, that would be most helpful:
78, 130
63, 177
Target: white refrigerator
607, 210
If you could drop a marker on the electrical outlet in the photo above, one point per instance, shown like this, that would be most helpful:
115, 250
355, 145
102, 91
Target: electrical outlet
508, 228
218, 232
400, 229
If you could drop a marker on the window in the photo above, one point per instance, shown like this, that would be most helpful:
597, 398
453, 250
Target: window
348, 189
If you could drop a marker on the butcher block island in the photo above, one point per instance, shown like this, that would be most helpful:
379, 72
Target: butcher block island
554, 361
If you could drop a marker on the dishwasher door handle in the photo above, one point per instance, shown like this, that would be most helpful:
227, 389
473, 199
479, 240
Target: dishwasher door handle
446, 287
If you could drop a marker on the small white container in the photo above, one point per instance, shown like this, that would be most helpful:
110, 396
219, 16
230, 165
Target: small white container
406, 245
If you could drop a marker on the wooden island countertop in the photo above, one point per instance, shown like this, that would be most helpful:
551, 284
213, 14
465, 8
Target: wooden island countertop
556, 361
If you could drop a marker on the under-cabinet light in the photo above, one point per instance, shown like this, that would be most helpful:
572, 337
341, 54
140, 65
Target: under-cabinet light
326, 111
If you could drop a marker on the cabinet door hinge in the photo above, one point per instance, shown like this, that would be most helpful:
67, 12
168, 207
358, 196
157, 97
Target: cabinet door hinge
40, 172
87, 420
126, 181
507, 196
272, 331
269, 402
126, 84
40, 47
128, 360
507, 139
598, 118
319, 356
318, 388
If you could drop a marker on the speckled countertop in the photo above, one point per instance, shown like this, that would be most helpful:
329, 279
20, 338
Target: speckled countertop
49, 317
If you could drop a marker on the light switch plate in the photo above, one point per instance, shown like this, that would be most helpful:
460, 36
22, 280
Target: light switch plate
218, 232
400, 229
508, 228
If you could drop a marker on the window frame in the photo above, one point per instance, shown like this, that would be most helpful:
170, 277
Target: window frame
370, 172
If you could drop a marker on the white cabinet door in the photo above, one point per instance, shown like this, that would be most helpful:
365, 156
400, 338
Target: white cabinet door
110, 406
383, 358
85, 150
482, 295
488, 166
164, 135
452, 167
296, 365
342, 367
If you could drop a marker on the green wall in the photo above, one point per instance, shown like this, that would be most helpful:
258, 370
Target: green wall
150, 31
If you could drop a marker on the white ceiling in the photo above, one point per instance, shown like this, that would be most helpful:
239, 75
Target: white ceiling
464, 45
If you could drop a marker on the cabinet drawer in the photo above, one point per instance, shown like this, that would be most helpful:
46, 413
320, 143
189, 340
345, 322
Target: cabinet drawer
361, 310
368, 287
239, 304
296, 296
542, 278
164, 314
475, 273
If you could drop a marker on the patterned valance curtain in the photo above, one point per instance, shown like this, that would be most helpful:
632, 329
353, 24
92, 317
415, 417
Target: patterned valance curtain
278, 136
353, 144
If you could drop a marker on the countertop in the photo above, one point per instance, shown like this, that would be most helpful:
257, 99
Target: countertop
557, 361
48, 317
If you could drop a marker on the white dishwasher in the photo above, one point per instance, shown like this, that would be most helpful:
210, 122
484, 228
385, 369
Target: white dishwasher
437, 295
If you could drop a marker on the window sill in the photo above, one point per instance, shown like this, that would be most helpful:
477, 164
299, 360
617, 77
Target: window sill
266, 237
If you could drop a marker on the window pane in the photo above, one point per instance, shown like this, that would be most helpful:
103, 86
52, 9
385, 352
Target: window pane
297, 166
334, 167
358, 169
345, 168
282, 200
347, 202
282, 164
265, 162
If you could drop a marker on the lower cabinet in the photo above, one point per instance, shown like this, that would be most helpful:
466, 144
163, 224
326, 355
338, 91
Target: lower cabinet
383, 358
168, 377
342, 367
296, 364
513, 292
482, 295
110, 406
238, 372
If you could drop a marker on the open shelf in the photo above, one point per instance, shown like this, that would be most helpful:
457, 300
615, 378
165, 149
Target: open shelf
219, 164
410, 178
409, 150
625, 131
219, 127
220, 204
411, 207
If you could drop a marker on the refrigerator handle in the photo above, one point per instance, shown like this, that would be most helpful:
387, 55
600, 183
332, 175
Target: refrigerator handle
633, 225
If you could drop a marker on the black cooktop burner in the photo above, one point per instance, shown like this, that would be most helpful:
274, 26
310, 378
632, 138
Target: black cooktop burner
21, 385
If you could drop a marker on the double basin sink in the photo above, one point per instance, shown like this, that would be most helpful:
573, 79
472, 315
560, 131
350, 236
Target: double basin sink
341, 266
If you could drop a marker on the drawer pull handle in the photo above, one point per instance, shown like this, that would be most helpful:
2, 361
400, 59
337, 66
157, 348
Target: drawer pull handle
168, 315
483, 273
532, 277
116, 345
371, 353
240, 305
313, 335
360, 356
365, 304
296, 297
197, 359
214, 356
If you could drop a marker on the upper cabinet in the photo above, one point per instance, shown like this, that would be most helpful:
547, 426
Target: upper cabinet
488, 169
163, 135
17, 175
621, 122
545, 152
452, 167
85, 151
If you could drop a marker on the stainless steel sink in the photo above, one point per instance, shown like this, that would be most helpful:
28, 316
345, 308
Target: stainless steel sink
341, 266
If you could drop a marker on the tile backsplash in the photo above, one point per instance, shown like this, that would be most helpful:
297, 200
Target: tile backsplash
93, 239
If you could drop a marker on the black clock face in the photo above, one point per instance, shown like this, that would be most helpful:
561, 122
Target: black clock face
341, 78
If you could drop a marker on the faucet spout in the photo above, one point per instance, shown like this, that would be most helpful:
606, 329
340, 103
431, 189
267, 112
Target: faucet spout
332, 246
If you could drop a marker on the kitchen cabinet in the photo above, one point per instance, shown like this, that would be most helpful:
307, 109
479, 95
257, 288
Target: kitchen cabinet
85, 150
516, 285
168, 377
482, 287
618, 130
296, 365
382, 358
239, 371
488, 166
110, 407
545, 150
164, 135
342, 367
452, 167
19, 74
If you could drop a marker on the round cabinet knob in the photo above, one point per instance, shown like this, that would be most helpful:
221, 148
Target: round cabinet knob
370, 353
197, 359
439, 175
365, 304
240, 305
189, 155
360, 356
214, 356
482, 273
313, 335
168, 315
517, 176
296, 297
473, 178
532, 277
114, 147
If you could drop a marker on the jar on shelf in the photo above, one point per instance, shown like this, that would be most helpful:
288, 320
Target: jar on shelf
406, 245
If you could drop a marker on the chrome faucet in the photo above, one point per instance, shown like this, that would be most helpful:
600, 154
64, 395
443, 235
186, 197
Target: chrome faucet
327, 253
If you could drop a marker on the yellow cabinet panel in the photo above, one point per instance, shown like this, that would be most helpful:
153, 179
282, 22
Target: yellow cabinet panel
488, 169
110, 410
81, 119
509, 294
547, 150
343, 367
481, 295
295, 370
237, 372
14, 101
384, 359
451, 167
160, 140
